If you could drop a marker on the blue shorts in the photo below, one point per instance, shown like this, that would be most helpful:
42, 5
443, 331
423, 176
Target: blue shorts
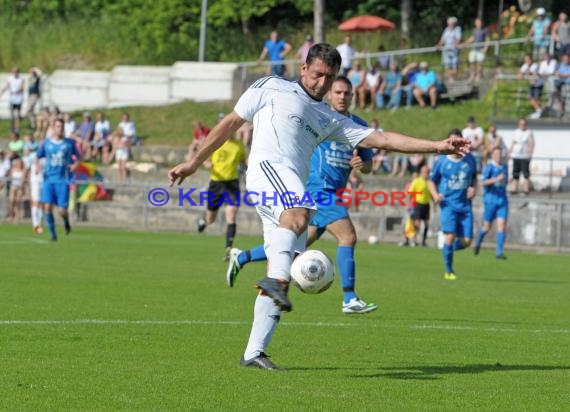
450, 59
327, 213
495, 211
56, 193
460, 223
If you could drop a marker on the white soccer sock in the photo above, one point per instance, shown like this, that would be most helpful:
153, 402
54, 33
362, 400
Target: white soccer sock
34, 216
40, 215
266, 316
279, 250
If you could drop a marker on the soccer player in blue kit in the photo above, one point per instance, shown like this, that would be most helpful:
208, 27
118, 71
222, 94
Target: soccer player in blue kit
495, 201
452, 183
62, 158
330, 167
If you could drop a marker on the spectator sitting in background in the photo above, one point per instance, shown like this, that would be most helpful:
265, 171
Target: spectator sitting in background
69, 126
17, 174
357, 77
86, 132
373, 79
391, 87
276, 49
101, 137
425, 85
380, 159
409, 74
304, 49
16, 145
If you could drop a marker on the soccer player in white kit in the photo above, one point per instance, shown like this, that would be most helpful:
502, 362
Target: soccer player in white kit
290, 120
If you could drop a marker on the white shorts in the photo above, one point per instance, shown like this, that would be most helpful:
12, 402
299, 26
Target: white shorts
476, 56
35, 190
273, 188
121, 154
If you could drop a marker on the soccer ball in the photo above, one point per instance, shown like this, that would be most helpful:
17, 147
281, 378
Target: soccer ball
312, 272
372, 239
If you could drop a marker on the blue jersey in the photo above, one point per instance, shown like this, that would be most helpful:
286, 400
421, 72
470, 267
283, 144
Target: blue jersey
452, 177
330, 163
497, 192
59, 156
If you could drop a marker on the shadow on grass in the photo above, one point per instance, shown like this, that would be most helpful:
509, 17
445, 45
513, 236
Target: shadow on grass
431, 372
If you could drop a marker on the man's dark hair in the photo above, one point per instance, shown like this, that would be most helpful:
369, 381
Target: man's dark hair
325, 52
456, 132
343, 79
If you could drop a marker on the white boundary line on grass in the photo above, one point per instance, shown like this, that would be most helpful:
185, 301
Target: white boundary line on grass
451, 327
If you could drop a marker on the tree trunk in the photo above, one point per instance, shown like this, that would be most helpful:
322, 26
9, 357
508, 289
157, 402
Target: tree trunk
480, 9
406, 22
319, 21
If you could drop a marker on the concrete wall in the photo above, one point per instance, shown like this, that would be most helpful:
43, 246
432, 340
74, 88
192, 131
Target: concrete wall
72, 90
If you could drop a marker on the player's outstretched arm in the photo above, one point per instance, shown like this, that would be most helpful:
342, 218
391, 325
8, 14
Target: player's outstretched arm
216, 138
398, 142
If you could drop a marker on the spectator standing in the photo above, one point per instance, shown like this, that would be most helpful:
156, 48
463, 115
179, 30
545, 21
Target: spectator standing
477, 53
563, 78
561, 34
476, 135
449, 44
494, 141
420, 211
347, 53
15, 86
539, 33
129, 129
17, 176
276, 49
529, 70
304, 49
34, 94
521, 151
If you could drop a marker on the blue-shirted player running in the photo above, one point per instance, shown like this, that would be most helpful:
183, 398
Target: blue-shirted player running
330, 168
61, 161
495, 201
452, 184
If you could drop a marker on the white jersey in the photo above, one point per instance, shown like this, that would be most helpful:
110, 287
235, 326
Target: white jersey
16, 87
288, 124
521, 141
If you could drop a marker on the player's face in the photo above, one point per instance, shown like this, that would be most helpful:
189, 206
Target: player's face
58, 129
317, 78
340, 97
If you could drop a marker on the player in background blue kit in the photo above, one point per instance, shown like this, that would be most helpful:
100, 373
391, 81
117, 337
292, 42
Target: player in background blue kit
331, 164
62, 158
452, 184
495, 201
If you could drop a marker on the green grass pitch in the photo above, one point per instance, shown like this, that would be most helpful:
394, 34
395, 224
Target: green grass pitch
111, 320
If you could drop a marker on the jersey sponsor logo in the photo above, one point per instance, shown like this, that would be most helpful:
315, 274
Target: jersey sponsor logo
297, 120
309, 129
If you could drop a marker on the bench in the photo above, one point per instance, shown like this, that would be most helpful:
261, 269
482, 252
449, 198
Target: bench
458, 89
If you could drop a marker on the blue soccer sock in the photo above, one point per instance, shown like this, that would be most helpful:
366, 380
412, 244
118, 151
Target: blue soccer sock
501, 237
480, 238
253, 255
346, 267
51, 224
457, 245
448, 257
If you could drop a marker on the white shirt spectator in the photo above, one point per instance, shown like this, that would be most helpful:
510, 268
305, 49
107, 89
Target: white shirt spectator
547, 70
128, 128
521, 141
16, 88
69, 128
475, 135
347, 53
102, 128
372, 79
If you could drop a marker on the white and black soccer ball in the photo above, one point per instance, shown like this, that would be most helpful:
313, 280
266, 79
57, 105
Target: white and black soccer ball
312, 272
